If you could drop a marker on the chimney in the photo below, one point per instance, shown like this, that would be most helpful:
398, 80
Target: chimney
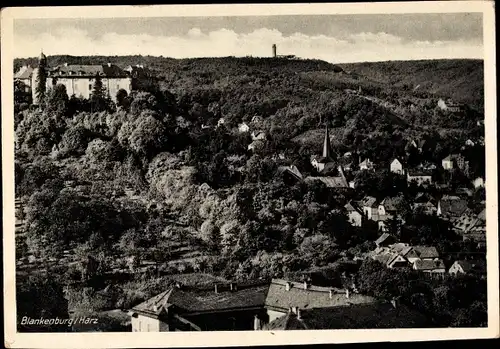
274, 50
305, 285
256, 323
347, 293
331, 294
298, 313
288, 286
215, 287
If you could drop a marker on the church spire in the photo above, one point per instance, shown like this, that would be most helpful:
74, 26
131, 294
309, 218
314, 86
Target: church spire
327, 149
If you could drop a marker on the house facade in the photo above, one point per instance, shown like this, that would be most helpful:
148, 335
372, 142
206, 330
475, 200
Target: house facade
79, 79
370, 208
396, 167
354, 214
215, 308
420, 177
242, 128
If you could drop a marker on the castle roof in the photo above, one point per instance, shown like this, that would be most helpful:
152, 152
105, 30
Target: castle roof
79, 70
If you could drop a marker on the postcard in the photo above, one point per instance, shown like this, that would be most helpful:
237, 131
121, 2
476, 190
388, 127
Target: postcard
227, 175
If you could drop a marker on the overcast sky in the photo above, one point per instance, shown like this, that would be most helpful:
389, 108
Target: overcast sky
334, 38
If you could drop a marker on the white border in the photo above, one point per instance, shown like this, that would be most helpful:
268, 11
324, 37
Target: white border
215, 339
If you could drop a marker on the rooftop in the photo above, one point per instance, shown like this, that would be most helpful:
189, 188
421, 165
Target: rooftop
198, 300
313, 297
76, 70
379, 314
429, 265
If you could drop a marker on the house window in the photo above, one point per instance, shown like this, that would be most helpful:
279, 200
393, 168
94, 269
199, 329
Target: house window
117, 87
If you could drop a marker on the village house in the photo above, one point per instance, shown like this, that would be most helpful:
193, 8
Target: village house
397, 167
290, 174
257, 119
434, 268
472, 227
453, 160
258, 135
370, 208
390, 258
220, 122
470, 143
420, 177
418, 144
242, 128
478, 182
450, 106
366, 165
354, 214
214, 308
475, 267
24, 75
451, 207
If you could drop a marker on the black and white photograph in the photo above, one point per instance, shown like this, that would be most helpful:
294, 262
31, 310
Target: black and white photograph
193, 169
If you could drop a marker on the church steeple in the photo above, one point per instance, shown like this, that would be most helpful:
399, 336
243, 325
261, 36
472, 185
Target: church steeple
327, 149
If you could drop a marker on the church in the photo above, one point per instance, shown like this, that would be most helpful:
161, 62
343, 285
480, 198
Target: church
79, 79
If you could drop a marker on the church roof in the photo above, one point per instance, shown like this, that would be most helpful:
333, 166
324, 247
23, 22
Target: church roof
327, 148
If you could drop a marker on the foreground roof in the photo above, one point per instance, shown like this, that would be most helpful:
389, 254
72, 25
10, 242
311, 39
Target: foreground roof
357, 316
199, 300
279, 298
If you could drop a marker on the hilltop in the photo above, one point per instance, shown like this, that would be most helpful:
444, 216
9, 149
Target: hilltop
459, 79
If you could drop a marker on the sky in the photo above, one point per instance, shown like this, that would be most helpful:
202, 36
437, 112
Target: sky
333, 38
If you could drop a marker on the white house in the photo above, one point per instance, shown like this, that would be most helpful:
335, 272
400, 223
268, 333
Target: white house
397, 167
470, 143
366, 165
220, 122
242, 128
478, 182
355, 214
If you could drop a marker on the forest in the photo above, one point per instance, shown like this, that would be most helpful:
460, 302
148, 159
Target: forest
155, 178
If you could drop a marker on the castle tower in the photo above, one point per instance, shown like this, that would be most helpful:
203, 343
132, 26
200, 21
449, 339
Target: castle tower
274, 50
327, 148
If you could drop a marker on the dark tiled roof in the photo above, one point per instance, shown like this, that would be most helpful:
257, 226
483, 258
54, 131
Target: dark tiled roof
76, 70
357, 316
383, 238
426, 251
428, 265
312, 297
351, 207
291, 169
452, 205
472, 266
419, 173
24, 73
391, 203
369, 201
194, 300
330, 182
